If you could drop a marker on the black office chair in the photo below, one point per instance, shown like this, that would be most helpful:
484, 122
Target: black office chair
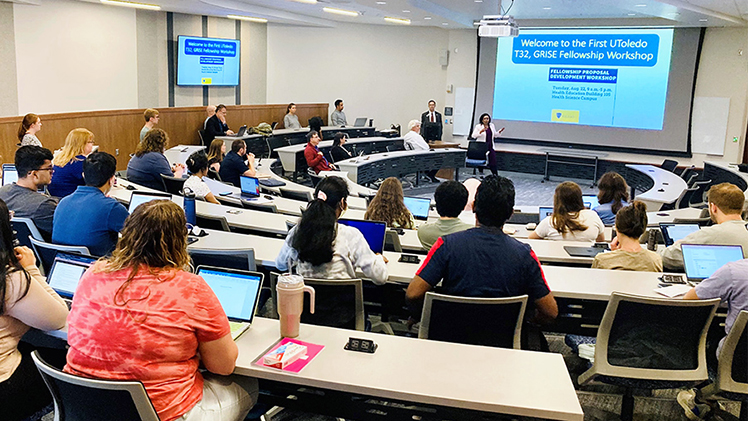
669, 165
173, 185
304, 196
217, 223
48, 251
392, 241
201, 135
213, 174
273, 143
25, 229
82, 398
477, 156
262, 207
397, 146
313, 176
493, 322
242, 259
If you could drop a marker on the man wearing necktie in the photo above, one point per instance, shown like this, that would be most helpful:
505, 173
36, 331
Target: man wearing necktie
431, 123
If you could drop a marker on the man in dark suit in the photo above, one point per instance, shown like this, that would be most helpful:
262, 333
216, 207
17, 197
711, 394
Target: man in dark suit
431, 123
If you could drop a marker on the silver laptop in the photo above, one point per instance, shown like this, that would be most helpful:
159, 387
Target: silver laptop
238, 291
65, 273
702, 260
10, 175
360, 122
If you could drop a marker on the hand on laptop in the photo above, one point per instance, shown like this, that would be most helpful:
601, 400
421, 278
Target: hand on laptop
25, 256
230, 132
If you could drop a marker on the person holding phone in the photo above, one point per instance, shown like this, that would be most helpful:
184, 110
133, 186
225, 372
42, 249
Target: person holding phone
485, 131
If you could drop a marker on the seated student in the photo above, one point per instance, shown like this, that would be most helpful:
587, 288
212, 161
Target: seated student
88, 217
613, 194
315, 124
237, 163
413, 140
485, 262
139, 316
216, 125
628, 254
450, 198
388, 206
291, 120
151, 119
197, 164
34, 167
216, 152
322, 248
26, 301
30, 126
725, 208
338, 152
148, 163
68, 163
570, 220
314, 157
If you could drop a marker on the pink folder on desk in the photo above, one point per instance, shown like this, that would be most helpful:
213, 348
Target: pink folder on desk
311, 351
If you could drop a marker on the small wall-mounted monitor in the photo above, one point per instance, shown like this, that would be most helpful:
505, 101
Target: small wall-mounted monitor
208, 61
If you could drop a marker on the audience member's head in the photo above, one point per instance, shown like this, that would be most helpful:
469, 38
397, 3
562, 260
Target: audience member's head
339, 104
34, 161
155, 140
217, 149
315, 123
339, 139
313, 137
494, 201
631, 220
210, 110
567, 203
613, 189
28, 121
727, 197
432, 105
221, 112
315, 234
99, 168
414, 125
388, 205
451, 198
291, 107
79, 141
197, 163
237, 146
149, 114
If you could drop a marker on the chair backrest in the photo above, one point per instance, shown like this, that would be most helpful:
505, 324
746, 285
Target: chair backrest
80, 398
214, 174
477, 150
305, 196
313, 176
397, 146
213, 222
732, 372
669, 165
242, 259
273, 143
25, 229
290, 224
201, 135
262, 207
654, 339
48, 251
173, 185
392, 241
493, 322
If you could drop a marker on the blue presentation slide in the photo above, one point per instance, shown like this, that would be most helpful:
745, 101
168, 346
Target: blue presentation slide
605, 77
208, 61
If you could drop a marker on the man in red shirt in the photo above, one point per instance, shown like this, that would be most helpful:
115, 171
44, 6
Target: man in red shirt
314, 157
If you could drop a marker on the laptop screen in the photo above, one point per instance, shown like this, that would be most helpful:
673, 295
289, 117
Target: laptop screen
138, 198
590, 201
238, 291
373, 232
10, 175
674, 232
360, 122
702, 260
419, 207
545, 212
250, 186
66, 271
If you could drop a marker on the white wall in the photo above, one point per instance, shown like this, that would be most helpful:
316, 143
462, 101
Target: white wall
73, 55
387, 73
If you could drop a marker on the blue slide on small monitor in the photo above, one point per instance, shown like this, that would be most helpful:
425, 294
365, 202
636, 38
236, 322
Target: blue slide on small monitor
208, 61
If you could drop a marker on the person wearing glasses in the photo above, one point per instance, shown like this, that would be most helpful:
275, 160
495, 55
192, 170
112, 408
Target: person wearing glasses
34, 166
68, 163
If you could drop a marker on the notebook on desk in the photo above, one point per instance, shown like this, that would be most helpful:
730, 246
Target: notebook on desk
65, 273
674, 232
702, 260
238, 291
418, 206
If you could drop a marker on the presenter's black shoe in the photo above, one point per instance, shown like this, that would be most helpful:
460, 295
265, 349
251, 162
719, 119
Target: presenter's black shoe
434, 179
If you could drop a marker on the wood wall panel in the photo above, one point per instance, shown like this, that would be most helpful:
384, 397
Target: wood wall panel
120, 129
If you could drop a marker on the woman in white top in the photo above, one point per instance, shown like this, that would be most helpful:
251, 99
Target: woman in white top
570, 220
291, 120
197, 163
30, 126
322, 248
486, 130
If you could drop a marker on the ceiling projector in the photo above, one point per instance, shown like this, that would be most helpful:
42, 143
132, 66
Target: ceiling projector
497, 26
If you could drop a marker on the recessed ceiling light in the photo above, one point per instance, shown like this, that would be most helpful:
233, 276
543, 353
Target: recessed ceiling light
381, 2
427, 18
406, 11
307, 1
248, 18
640, 5
445, 23
703, 20
340, 11
397, 20
479, 1
131, 4
632, 14
546, 8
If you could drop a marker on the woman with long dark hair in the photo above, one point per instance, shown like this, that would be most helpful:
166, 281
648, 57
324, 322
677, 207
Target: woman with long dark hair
291, 120
485, 131
388, 206
570, 220
138, 315
322, 248
613, 195
628, 254
26, 301
338, 152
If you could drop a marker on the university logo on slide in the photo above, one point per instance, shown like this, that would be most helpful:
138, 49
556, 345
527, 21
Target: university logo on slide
565, 116
206, 81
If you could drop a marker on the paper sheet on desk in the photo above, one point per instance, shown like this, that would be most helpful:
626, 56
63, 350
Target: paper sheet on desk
673, 290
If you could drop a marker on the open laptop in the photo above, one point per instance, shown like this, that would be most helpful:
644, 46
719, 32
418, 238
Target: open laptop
138, 198
418, 206
242, 131
250, 187
67, 269
238, 291
373, 232
674, 232
360, 122
10, 175
592, 251
544, 212
702, 260
590, 201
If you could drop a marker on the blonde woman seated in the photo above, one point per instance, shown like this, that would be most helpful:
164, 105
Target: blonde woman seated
570, 220
388, 206
68, 163
628, 254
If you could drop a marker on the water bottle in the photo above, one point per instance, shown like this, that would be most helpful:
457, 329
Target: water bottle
189, 206
291, 290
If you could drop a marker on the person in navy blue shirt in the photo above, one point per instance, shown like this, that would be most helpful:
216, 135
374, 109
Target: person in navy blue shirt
88, 217
234, 166
148, 163
68, 163
485, 262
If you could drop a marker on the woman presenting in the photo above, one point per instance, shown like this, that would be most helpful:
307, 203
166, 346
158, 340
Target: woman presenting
483, 131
